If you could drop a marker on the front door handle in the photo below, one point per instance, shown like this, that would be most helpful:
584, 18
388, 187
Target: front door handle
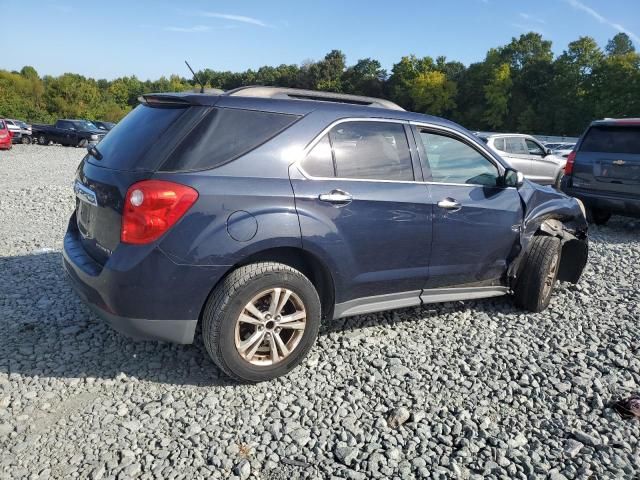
336, 197
450, 204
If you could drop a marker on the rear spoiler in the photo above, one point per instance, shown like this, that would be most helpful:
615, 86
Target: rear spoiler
163, 100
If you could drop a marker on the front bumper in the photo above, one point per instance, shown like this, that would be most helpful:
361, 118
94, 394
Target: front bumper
139, 291
619, 203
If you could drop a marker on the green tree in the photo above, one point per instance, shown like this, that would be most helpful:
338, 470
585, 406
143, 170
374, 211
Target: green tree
620, 44
497, 93
433, 93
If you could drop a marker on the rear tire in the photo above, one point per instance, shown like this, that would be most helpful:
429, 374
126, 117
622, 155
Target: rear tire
599, 217
558, 181
535, 286
242, 306
42, 140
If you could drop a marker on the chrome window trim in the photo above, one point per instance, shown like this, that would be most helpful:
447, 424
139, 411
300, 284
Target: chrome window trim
326, 130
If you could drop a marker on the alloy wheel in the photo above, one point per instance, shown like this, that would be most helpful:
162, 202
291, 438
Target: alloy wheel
270, 326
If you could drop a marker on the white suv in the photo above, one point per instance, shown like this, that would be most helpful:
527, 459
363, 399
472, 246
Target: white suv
527, 155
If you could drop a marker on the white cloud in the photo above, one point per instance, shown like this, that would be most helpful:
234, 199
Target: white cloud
194, 29
577, 4
531, 18
235, 18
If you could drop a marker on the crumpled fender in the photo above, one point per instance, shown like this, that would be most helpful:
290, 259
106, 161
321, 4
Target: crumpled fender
549, 212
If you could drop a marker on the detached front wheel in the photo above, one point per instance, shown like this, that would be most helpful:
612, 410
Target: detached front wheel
538, 275
261, 321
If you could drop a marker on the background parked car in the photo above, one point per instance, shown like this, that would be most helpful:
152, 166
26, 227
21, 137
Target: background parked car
563, 150
604, 169
15, 129
21, 131
76, 133
106, 126
5, 136
527, 155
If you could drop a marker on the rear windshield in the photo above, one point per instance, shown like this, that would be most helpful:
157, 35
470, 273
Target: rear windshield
124, 146
223, 135
610, 139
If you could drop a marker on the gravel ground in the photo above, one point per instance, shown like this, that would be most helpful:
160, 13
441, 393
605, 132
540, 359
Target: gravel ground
466, 390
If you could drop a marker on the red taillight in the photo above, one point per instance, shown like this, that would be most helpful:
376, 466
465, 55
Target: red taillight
571, 159
151, 207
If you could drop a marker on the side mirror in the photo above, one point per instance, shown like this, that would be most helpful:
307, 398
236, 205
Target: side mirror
547, 151
512, 178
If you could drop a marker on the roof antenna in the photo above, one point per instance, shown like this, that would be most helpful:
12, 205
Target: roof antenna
195, 77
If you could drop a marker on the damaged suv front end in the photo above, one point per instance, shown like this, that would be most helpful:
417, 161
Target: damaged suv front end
552, 213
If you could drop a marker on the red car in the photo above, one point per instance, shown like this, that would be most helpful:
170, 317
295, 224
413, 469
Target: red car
5, 136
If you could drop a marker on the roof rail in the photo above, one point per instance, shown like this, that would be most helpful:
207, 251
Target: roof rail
299, 94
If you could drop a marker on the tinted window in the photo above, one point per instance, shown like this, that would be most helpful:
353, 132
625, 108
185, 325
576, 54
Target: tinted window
2, 124
371, 150
225, 134
319, 161
125, 145
533, 148
612, 140
516, 145
452, 161
499, 144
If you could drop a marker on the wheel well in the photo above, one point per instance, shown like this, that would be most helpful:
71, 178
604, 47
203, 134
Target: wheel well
303, 261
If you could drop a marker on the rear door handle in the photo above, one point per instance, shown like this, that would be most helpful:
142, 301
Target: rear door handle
450, 204
336, 197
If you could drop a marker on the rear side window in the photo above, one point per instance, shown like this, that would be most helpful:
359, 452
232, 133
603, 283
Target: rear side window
319, 161
499, 144
612, 139
516, 145
371, 151
124, 146
223, 135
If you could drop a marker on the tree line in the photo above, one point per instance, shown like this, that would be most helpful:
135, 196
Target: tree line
520, 86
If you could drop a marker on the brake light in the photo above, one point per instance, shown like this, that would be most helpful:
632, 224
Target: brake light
151, 207
571, 159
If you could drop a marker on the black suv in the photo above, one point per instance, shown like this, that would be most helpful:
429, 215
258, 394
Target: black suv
604, 169
260, 211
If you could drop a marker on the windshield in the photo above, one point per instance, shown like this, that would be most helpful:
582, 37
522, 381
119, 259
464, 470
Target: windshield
84, 125
2, 124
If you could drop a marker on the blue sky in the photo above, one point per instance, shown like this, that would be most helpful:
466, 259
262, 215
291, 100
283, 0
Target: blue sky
111, 38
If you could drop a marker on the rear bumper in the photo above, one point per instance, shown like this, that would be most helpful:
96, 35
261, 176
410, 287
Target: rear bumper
622, 204
139, 291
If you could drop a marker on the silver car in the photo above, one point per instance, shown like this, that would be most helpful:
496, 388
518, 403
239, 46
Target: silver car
527, 155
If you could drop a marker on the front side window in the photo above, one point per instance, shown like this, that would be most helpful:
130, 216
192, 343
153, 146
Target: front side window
534, 148
516, 146
451, 161
371, 151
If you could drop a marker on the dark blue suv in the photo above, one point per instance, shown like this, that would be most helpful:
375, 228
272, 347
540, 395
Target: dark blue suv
261, 211
604, 169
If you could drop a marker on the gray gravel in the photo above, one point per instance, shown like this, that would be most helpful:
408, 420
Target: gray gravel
466, 390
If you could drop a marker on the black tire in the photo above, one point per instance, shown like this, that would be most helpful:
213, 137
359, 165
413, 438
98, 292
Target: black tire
229, 299
26, 140
538, 274
599, 217
42, 140
82, 143
558, 181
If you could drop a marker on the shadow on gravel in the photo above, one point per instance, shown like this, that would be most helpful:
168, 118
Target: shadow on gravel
46, 331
